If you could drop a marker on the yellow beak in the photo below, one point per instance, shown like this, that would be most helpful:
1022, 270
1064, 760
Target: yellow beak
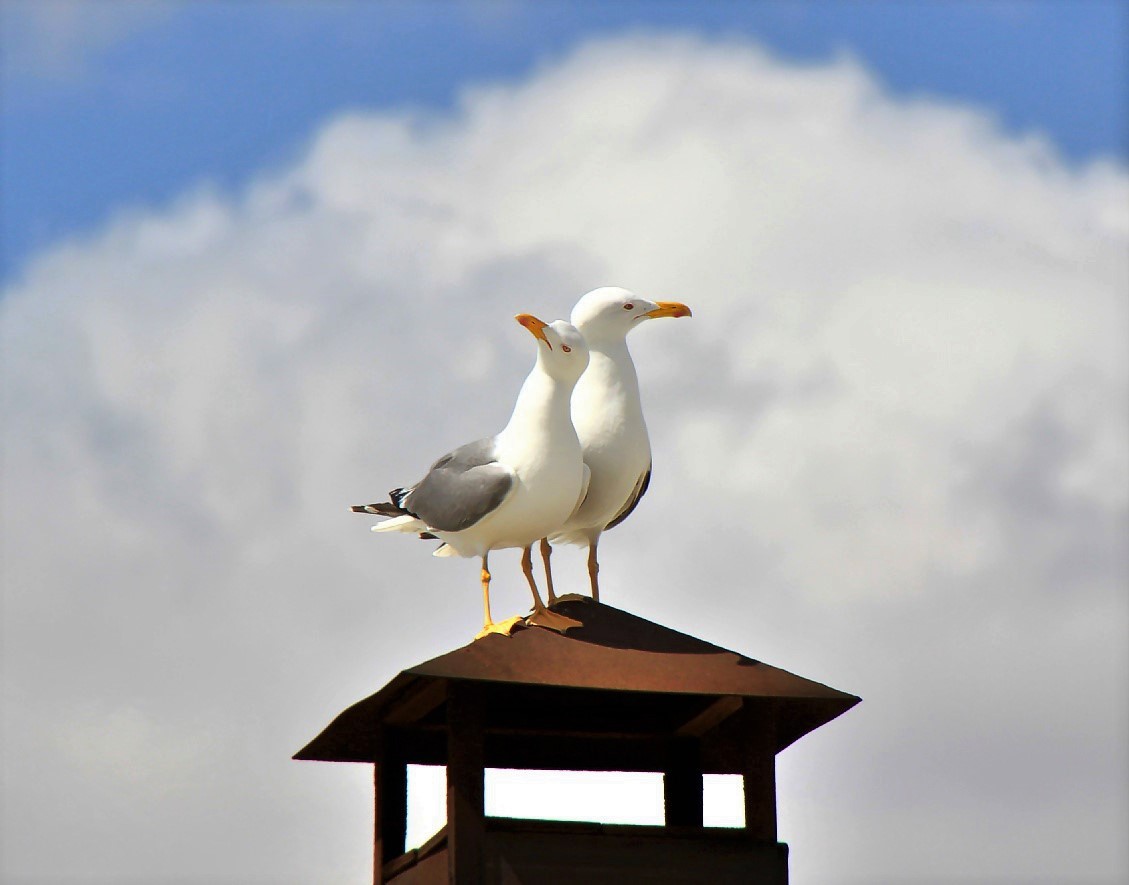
669, 309
535, 326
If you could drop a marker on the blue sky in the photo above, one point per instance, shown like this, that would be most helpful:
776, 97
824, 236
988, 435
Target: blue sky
117, 104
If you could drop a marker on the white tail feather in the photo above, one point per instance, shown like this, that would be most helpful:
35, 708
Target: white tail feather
444, 550
579, 538
405, 523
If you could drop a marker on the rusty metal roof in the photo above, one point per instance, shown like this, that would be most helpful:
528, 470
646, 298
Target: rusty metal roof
623, 667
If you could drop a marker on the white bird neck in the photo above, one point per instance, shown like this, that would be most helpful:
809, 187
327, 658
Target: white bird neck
542, 408
611, 375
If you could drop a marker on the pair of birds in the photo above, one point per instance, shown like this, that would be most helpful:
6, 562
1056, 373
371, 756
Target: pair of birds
572, 462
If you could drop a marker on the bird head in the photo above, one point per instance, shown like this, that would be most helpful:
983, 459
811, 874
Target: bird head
562, 350
609, 313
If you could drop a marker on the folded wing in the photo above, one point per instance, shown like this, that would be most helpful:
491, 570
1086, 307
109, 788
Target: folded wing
461, 488
636, 495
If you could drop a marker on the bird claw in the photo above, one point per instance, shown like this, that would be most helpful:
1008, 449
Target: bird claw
505, 627
550, 620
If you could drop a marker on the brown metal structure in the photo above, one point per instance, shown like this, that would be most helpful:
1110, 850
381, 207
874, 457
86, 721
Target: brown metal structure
618, 694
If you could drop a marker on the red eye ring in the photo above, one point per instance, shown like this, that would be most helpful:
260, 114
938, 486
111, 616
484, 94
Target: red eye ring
629, 306
566, 348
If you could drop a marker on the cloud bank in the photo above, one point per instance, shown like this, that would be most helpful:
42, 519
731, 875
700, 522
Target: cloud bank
890, 455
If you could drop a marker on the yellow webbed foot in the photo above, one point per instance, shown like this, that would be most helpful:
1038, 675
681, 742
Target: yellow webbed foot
505, 627
542, 617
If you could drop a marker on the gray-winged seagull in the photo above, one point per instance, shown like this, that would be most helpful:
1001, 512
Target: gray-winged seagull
510, 489
608, 416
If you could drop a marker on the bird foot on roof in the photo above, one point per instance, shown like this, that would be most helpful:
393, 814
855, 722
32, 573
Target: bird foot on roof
572, 597
504, 627
542, 617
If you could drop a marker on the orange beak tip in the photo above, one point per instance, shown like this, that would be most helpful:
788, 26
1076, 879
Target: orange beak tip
535, 327
670, 309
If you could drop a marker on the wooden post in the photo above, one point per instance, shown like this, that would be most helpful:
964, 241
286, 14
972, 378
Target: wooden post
682, 784
759, 769
466, 788
390, 782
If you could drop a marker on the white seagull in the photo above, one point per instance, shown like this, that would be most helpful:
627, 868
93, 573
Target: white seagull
511, 489
608, 417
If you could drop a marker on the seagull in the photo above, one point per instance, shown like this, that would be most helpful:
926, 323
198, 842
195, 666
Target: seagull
511, 489
608, 417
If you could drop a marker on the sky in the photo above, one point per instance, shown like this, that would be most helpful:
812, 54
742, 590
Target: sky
130, 102
260, 263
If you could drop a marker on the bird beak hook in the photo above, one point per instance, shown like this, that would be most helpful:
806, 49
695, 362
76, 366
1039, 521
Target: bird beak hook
669, 309
535, 326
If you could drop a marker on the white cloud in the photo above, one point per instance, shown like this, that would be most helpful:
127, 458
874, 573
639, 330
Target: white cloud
132, 750
57, 39
908, 349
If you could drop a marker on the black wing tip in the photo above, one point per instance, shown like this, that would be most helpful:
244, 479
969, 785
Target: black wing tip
630, 508
379, 509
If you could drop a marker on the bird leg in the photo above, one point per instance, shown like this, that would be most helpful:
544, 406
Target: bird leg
484, 576
488, 625
527, 570
594, 570
546, 552
541, 616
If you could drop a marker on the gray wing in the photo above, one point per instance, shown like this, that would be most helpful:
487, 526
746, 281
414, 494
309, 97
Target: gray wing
460, 488
639, 491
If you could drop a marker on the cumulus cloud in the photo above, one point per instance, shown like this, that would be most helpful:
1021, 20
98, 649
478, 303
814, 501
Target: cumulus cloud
890, 448
130, 748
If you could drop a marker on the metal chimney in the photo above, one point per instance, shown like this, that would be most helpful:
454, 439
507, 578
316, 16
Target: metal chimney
618, 694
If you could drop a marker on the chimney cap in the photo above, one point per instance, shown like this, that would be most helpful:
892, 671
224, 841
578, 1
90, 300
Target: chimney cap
614, 652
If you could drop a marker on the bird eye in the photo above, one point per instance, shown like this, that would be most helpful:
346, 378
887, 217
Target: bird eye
566, 348
629, 306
